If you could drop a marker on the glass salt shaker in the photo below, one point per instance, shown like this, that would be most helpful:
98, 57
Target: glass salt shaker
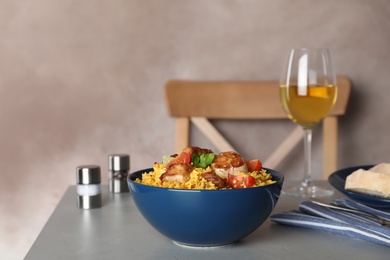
118, 167
88, 187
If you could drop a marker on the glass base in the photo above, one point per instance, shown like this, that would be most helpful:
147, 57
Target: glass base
307, 191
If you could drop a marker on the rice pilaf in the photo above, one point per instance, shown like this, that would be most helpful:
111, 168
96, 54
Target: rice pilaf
196, 181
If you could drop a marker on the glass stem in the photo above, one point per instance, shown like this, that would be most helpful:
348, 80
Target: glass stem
307, 181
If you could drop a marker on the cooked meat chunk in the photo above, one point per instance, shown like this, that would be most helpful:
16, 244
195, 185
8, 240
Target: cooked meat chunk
177, 172
228, 162
214, 178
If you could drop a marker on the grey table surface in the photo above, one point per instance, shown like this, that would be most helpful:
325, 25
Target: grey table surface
118, 231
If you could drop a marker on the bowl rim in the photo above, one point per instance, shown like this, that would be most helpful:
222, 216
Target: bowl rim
276, 183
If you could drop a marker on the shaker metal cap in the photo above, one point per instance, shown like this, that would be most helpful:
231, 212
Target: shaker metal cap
118, 162
88, 174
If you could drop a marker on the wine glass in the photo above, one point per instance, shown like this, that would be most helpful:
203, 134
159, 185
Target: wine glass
308, 91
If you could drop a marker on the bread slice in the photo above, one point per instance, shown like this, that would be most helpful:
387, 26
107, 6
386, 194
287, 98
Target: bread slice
374, 181
381, 168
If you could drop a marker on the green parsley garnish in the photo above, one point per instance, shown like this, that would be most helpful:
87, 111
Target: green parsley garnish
203, 160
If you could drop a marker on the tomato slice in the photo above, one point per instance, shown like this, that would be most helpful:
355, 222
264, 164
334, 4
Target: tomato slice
181, 158
241, 181
254, 165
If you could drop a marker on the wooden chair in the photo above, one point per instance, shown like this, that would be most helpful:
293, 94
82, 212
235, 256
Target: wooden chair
194, 101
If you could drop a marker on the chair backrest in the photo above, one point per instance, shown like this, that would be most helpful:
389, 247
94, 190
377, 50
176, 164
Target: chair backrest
194, 101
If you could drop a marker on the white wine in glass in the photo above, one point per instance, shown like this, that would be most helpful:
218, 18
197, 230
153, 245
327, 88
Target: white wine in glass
308, 91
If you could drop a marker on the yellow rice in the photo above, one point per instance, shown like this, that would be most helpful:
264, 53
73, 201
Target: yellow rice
196, 181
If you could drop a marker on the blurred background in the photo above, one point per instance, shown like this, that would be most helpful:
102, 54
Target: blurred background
82, 79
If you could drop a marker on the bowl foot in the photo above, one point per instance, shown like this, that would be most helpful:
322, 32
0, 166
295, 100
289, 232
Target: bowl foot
201, 246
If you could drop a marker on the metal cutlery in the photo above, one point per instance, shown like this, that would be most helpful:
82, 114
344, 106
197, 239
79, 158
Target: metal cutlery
381, 220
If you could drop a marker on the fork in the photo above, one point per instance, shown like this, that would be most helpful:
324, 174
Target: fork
381, 220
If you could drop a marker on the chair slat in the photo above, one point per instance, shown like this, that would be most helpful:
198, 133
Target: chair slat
236, 100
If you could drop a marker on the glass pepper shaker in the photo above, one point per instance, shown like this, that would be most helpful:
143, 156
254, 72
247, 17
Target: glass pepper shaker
118, 166
88, 187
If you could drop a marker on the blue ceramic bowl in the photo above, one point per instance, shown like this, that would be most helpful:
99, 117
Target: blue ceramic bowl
205, 218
